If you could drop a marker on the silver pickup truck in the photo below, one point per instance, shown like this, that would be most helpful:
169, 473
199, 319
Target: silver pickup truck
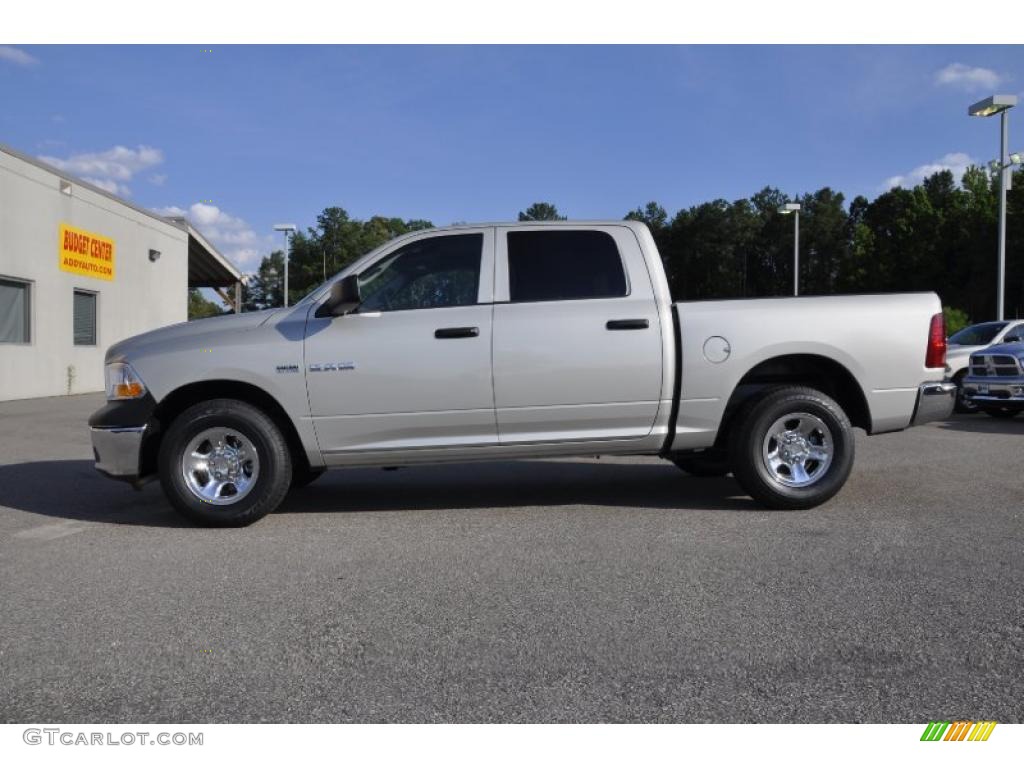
511, 341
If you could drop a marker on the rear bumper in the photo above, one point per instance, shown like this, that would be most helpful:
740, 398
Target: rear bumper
935, 401
118, 451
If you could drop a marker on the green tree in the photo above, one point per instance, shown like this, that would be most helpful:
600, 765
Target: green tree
956, 319
321, 251
652, 214
541, 212
199, 306
823, 243
264, 290
938, 235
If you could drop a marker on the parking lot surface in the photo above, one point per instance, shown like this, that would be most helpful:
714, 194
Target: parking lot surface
567, 590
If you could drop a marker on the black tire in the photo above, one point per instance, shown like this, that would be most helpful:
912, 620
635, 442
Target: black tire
304, 475
748, 440
962, 404
709, 463
1001, 411
274, 468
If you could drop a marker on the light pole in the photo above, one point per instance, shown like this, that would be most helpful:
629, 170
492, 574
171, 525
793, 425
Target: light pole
286, 228
794, 208
999, 105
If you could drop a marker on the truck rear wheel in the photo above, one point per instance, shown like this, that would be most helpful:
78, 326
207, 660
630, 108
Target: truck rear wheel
224, 463
792, 448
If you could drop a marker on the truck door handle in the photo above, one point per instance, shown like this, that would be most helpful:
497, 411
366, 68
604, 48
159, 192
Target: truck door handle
627, 325
456, 333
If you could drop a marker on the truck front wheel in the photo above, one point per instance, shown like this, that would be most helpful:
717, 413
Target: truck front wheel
792, 448
224, 463
963, 404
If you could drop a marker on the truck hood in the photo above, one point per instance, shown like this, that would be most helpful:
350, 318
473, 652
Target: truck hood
960, 352
221, 328
1015, 348
964, 347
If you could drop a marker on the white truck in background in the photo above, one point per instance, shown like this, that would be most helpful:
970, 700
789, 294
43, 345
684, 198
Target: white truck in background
507, 341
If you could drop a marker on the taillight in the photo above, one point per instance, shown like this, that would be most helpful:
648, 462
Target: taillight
935, 357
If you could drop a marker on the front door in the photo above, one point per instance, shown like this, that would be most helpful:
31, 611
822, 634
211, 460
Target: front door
411, 368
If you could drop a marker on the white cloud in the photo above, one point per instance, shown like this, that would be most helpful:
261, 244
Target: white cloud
230, 234
171, 210
968, 78
109, 185
957, 162
111, 168
120, 163
17, 56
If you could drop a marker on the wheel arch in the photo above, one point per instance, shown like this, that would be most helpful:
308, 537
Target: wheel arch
189, 394
817, 371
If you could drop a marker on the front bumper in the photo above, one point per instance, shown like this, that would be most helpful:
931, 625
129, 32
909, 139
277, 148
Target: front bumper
935, 401
119, 433
995, 390
118, 451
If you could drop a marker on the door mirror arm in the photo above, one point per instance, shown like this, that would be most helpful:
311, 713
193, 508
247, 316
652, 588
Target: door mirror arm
343, 299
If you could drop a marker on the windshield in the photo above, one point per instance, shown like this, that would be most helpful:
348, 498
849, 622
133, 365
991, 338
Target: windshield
977, 335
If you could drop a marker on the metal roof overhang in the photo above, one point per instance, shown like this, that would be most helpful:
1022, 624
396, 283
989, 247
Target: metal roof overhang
207, 268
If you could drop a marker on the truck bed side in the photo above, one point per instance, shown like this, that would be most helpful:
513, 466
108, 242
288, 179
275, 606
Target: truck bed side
869, 349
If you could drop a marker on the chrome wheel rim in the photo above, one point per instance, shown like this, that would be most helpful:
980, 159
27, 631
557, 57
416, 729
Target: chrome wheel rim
797, 450
220, 465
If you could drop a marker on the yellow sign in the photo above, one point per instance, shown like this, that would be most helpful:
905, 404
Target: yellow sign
86, 253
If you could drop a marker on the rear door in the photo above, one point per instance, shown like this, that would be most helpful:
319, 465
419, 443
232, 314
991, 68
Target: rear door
577, 335
411, 368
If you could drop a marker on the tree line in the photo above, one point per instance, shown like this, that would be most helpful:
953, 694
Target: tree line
935, 236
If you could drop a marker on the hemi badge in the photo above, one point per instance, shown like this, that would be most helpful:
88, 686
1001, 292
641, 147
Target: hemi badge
287, 369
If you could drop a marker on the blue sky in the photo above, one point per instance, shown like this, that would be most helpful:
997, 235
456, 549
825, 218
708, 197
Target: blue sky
242, 137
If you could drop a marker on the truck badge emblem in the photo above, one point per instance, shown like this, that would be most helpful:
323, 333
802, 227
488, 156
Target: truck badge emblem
324, 367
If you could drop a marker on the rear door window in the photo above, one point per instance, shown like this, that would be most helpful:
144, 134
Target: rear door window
559, 265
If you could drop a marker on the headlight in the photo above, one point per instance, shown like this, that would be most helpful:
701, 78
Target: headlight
123, 383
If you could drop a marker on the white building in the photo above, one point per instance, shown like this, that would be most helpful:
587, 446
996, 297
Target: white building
81, 269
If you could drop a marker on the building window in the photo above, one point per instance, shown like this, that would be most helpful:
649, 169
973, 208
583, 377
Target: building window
85, 318
555, 265
15, 317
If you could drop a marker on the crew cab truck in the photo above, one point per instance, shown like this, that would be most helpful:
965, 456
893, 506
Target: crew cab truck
966, 342
511, 341
995, 380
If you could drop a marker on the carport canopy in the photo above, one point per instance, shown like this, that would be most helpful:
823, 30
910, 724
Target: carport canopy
207, 267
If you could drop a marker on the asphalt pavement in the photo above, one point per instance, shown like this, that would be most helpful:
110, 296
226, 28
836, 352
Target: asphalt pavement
562, 590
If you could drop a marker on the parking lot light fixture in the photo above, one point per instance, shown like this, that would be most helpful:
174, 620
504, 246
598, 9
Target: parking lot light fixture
794, 208
286, 228
999, 105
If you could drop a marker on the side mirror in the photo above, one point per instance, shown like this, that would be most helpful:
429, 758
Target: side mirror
344, 298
